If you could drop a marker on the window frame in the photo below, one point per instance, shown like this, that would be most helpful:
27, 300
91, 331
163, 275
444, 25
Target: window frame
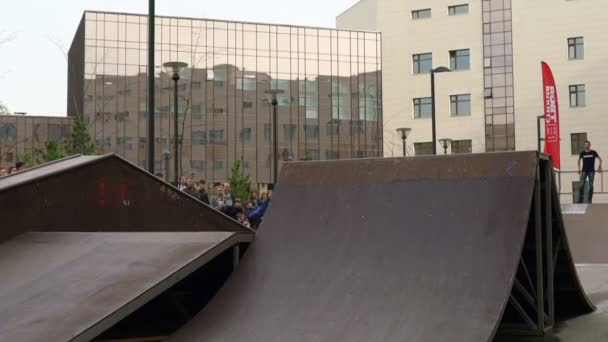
573, 43
574, 90
417, 105
461, 141
452, 9
423, 145
454, 59
416, 13
580, 143
455, 100
416, 62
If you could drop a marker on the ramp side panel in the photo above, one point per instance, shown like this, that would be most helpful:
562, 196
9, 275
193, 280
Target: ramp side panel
104, 194
365, 257
55, 286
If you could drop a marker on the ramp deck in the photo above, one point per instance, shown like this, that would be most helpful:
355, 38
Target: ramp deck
415, 249
73, 286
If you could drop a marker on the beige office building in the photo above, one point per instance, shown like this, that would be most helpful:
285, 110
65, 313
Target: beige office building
491, 98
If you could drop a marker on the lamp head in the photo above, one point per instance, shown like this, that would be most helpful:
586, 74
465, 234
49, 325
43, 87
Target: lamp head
175, 68
274, 93
441, 69
445, 142
404, 132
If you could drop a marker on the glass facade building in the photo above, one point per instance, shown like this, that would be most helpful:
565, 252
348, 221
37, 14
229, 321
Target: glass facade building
330, 108
26, 135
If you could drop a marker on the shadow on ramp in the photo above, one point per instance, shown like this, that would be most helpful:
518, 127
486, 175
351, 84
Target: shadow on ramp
451, 248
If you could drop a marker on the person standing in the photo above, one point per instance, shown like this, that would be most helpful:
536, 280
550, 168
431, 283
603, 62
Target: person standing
253, 198
588, 171
229, 200
181, 185
190, 189
202, 192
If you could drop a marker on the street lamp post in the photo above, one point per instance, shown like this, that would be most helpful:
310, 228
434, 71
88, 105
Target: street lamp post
404, 132
151, 26
275, 122
175, 68
445, 143
433, 71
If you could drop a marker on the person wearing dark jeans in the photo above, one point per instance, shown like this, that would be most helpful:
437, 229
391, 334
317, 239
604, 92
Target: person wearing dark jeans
588, 171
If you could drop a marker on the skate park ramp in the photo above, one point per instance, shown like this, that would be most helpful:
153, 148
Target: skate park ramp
101, 193
588, 232
452, 248
74, 286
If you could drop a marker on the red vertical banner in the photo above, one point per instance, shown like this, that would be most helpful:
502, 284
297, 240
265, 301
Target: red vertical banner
552, 135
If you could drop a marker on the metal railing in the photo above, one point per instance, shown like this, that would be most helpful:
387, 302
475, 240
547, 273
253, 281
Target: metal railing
568, 184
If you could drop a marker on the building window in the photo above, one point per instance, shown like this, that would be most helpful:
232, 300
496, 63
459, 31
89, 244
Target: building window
487, 93
124, 142
460, 59
422, 13
196, 109
577, 95
576, 48
462, 146
199, 138
198, 165
218, 164
247, 104
289, 131
423, 148
312, 112
216, 136
311, 131
423, 63
246, 134
460, 105
333, 128
267, 130
196, 84
458, 9
8, 131
357, 127
577, 142
423, 107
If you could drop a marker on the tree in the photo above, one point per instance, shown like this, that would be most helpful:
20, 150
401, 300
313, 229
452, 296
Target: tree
3, 109
240, 182
79, 141
51, 151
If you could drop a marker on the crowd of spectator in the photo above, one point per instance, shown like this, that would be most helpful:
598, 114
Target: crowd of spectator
249, 211
19, 166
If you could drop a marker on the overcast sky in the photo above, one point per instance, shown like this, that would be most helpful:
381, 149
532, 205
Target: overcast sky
33, 69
